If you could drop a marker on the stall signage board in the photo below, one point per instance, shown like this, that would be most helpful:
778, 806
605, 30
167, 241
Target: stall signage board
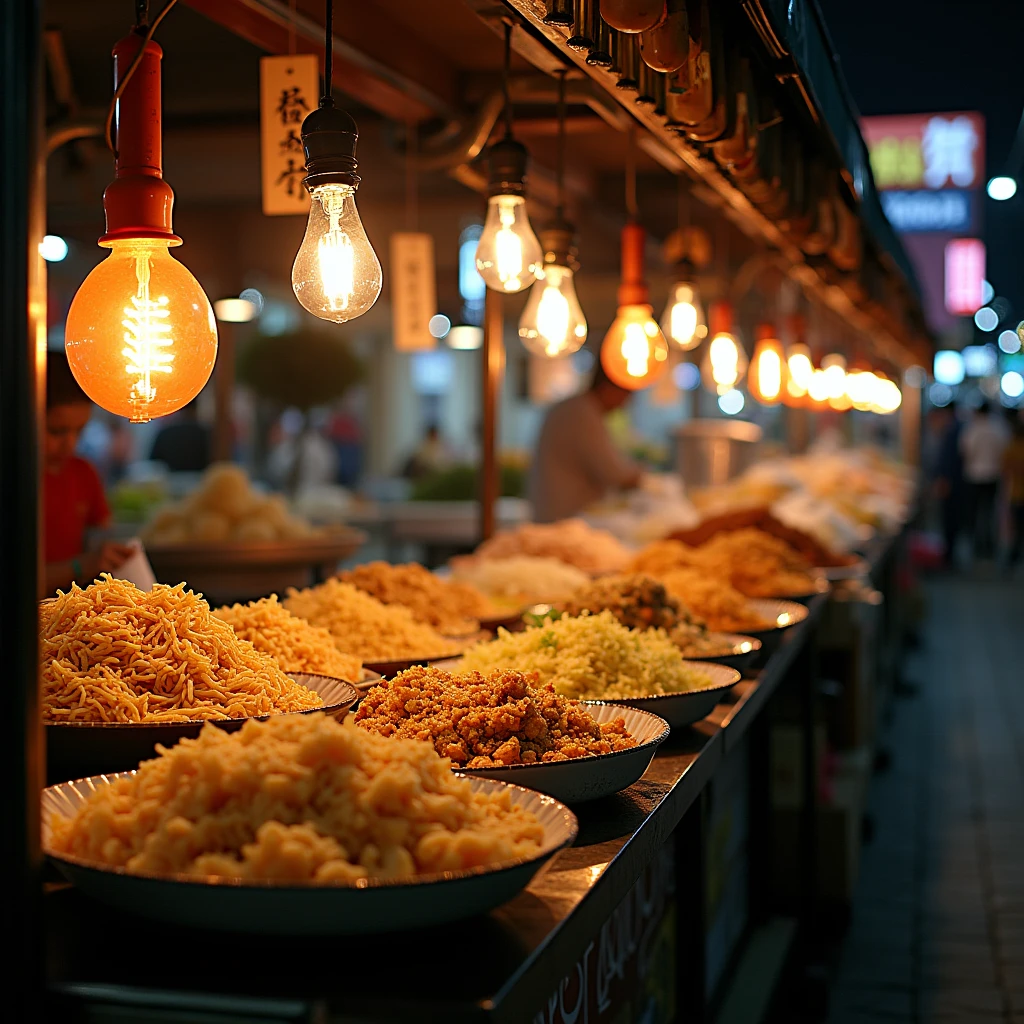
926, 151
289, 87
626, 973
413, 290
965, 276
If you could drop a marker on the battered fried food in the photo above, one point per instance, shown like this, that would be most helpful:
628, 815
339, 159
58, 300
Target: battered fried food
480, 721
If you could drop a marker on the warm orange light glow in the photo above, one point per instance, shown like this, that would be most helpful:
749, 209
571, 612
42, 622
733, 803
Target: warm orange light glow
798, 373
724, 363
634, 352
767, 377
140, 336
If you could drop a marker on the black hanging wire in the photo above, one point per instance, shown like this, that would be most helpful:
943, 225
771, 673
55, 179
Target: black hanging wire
505, 79
143, 7
327, 100
631, 205
560, 167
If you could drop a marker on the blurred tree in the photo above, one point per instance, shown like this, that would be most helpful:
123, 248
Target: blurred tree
301, 370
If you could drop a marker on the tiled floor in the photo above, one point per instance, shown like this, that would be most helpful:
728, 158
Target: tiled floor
938, 919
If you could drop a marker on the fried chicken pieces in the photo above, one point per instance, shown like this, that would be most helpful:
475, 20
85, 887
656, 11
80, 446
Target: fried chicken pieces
484, 721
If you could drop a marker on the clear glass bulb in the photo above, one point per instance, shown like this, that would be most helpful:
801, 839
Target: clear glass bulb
683, 320
724, 364
860, 388
553, 323
634, 352
767, 371
336, 274
508, 257
817, 387
140, 335
800, 368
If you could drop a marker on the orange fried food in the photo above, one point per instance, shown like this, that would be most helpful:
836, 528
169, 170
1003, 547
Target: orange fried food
482, 721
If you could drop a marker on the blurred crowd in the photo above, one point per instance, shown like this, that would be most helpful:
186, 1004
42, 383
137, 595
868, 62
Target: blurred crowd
974, 462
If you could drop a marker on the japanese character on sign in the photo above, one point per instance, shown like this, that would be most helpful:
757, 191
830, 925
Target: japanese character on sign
948, 150
288, 89
291, 106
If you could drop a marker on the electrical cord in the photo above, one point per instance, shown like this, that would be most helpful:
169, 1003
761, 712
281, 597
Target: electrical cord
142, 9
329, 57
560, 170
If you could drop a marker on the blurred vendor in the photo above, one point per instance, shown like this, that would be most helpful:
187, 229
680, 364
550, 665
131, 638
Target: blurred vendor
73, 499
576, 462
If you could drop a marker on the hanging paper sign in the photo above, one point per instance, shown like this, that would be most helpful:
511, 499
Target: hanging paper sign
551, 380
413, 291
289, 86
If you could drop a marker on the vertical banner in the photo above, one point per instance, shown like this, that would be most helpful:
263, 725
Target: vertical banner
413, 290
289, 90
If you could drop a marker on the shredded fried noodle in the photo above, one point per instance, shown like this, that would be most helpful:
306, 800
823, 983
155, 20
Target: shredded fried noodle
114, 653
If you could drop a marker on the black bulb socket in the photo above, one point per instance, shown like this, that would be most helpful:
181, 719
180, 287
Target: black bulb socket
558, 240
329, 136
507, 161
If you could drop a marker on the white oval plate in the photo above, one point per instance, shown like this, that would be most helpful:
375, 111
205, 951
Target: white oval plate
267, 908
590, 778
782, 614
681, 709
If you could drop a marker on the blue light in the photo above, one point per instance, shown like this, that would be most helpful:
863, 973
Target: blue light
686, 376
948, 367
731, 402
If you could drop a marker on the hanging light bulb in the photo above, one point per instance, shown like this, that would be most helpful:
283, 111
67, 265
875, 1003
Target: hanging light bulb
140, 335
724, 362
683, 319
860, 389
767, 378
887, 397
817, 387
553, 324
634, 352
508, 256
336, 274
798, 373
686, 248
834, 368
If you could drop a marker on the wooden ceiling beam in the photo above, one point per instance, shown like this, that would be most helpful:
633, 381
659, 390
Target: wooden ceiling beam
368, 51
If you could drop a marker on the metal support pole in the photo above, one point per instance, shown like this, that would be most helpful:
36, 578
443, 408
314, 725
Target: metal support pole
493, 364
910, 425
224, 385
22, 397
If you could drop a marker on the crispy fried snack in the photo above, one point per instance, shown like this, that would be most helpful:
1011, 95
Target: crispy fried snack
481, 721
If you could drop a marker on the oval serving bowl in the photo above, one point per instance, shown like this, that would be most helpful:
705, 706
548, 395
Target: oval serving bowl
741, 655
589, 778
387, 669
271, 909
78, 749
689, 706
782, 615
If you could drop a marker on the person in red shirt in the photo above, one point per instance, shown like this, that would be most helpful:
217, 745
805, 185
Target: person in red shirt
73, 499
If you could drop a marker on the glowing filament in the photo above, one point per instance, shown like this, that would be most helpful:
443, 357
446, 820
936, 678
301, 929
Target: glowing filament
636, 350
336, 255
553, 320
724, 357
508, 248
769, 373
147, 339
